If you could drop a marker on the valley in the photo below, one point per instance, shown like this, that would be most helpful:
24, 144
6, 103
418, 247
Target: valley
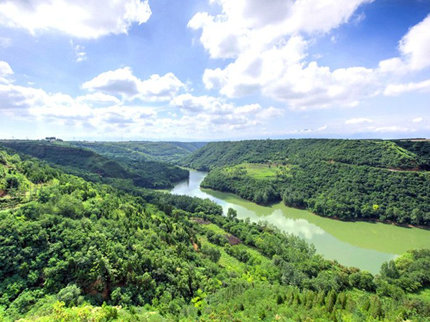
361, 244
83, 237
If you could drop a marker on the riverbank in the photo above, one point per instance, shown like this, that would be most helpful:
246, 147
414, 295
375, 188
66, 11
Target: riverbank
362, 244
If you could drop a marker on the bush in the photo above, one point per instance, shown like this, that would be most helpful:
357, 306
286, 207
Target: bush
70, 295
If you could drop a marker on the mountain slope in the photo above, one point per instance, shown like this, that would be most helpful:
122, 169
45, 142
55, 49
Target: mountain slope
376, 153
142, 150
346, 179
95, 167
79, 251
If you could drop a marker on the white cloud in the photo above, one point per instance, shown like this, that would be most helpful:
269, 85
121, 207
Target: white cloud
267, 47
119, 82
78, 18
14, 97
98, 98
414, 49
122, 82
190, 104
216, 114
415, 45
393, 65
418, 120
269, 113
80, 54
246, 23
391, 129
101, 114
398, 89
267, 43
160, 88
5, 72
359, 120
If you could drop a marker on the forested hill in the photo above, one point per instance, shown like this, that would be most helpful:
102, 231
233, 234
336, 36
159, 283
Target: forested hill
142, 150
375, 153
71, 250
420, 147
95, 167
346, 179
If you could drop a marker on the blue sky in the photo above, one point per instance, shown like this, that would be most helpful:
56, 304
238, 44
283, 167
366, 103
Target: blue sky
214, 69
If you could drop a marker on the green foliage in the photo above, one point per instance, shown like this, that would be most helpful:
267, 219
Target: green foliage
69, 295
99, 168
76, 251
375, 153
211, 252
142, 150
345, 179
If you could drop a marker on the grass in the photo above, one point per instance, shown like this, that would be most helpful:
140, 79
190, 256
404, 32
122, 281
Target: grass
216, 229
226, 261
259, 171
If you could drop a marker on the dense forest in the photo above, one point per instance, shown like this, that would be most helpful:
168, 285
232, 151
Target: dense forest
73, 250
99, 168
346, 179
137, 151
374, 153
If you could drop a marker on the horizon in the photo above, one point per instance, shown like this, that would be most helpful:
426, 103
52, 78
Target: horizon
214, 70
58, 139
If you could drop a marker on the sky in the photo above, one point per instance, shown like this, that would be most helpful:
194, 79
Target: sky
206, 70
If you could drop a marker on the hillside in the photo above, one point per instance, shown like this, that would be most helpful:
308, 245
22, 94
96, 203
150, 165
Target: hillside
142, 150
77, 251
375, 153
95, 167
346, 179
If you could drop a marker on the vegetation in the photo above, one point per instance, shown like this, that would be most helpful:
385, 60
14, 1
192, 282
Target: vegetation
137, 151
95, 167
374, 153
74, 250
421, 148
350, 180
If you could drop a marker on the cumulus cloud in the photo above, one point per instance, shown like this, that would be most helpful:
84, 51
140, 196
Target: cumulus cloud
122, 82
268, 43
267, 46
415, 45
418, 120
160, 88
78, 18
107, 108
398, 89
217, 114
246, 23
190, 104
414, 49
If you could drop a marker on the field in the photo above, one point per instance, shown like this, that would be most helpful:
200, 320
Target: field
259, 171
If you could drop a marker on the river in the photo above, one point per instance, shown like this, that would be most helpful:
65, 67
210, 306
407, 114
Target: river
361, 244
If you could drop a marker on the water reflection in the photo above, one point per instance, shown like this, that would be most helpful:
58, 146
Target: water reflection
299, 227
291, 221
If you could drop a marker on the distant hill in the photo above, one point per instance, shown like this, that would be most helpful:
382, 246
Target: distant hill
170, 152
95, 167
376, 153
346, 179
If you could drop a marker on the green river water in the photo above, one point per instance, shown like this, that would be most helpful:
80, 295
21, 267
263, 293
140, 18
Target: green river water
361, 244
